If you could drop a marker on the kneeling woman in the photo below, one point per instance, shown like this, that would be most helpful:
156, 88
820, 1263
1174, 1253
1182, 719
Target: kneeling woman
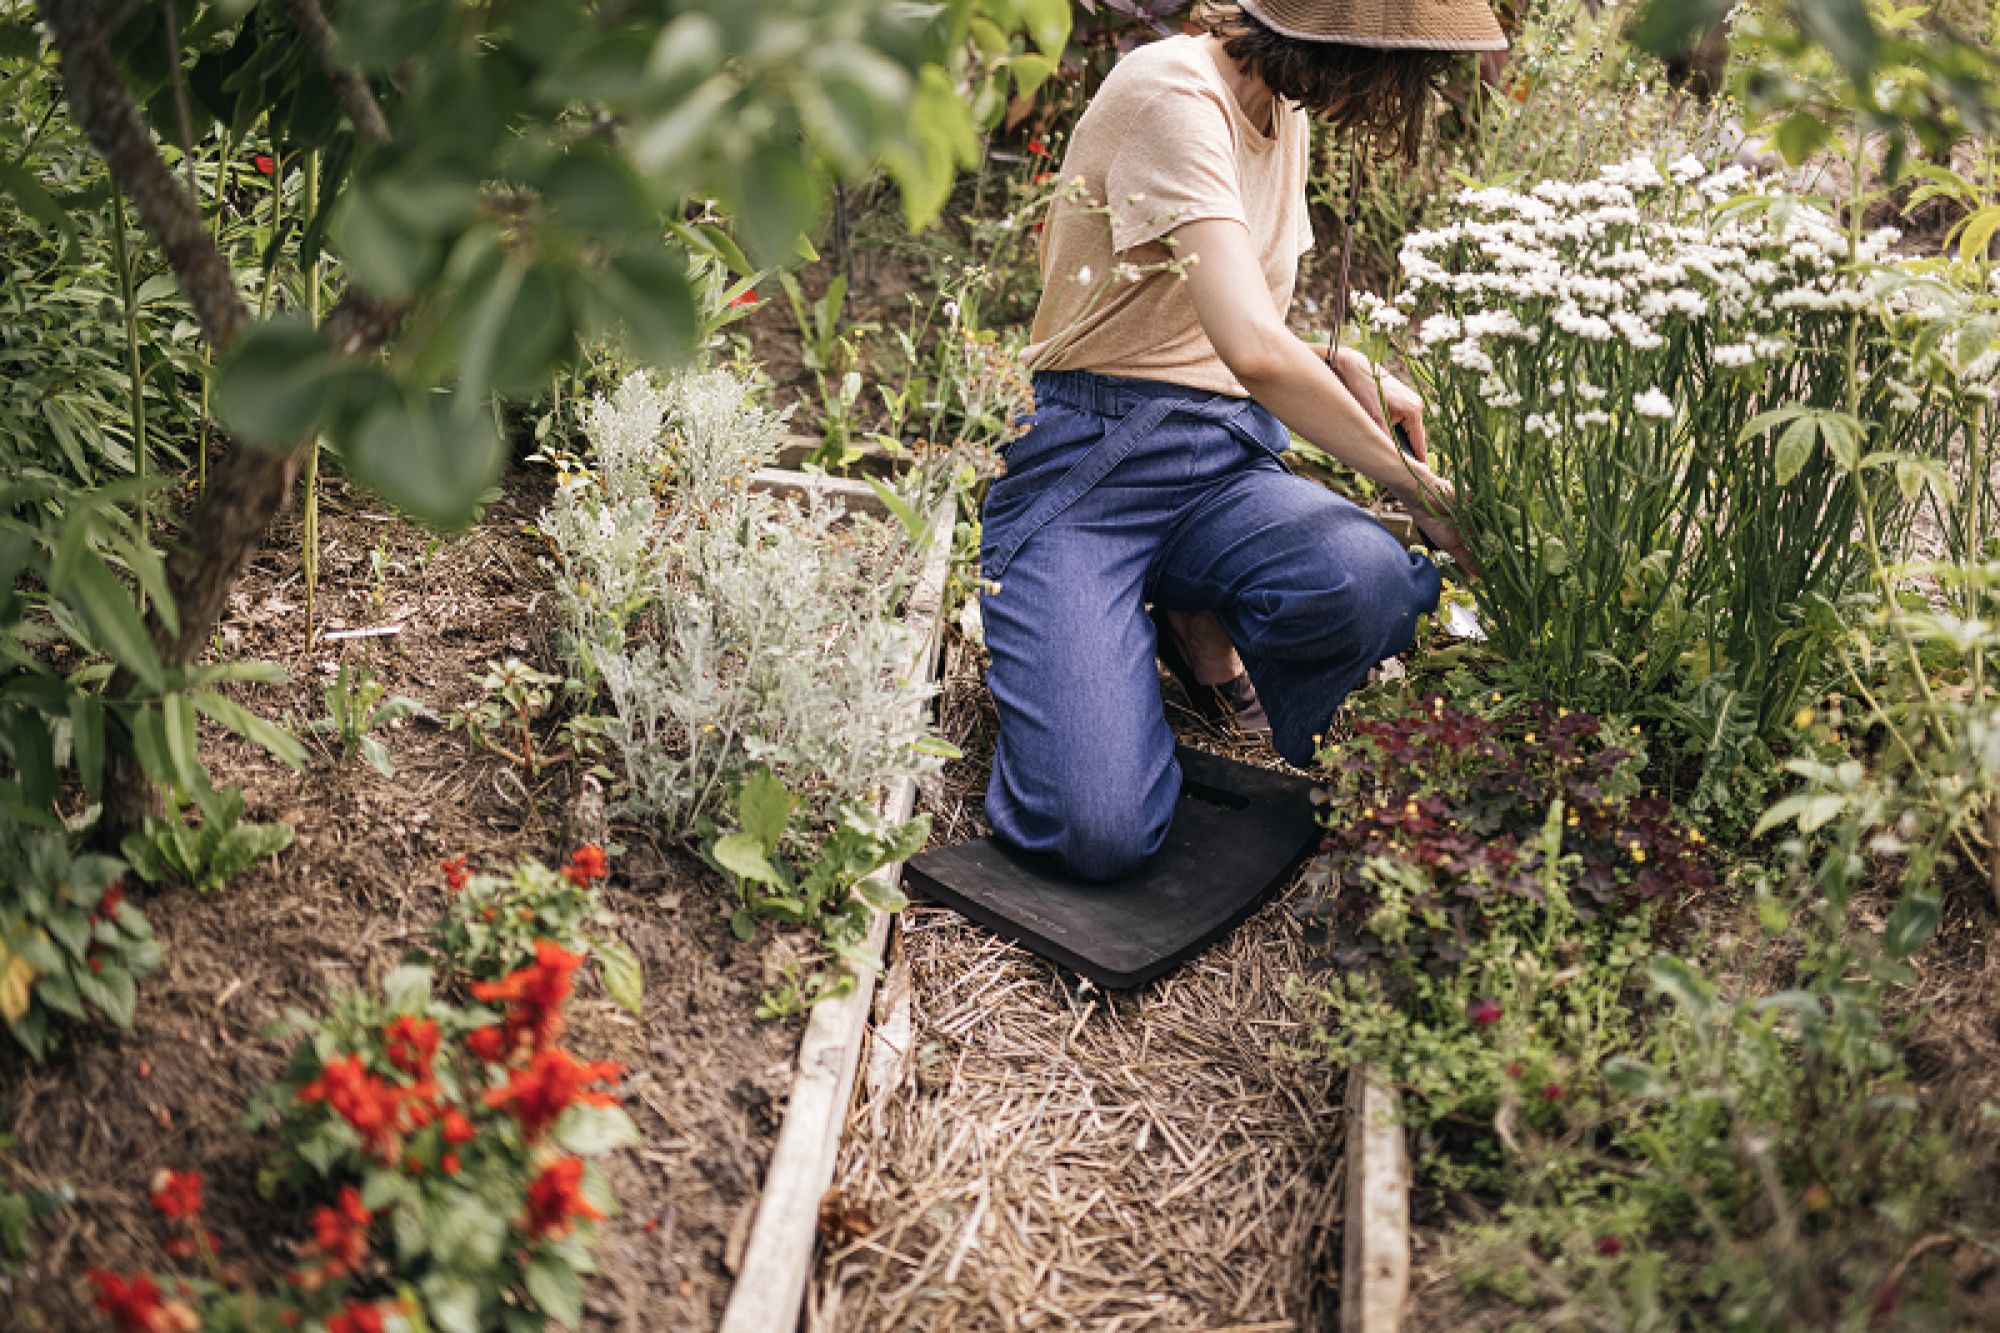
1152, 472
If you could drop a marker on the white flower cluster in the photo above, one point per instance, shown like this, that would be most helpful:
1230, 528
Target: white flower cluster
1620, 267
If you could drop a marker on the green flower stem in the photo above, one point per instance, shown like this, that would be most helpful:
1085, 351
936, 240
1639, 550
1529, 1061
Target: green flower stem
127, 290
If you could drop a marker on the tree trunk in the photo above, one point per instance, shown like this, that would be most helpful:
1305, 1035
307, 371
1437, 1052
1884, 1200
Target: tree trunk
248, 485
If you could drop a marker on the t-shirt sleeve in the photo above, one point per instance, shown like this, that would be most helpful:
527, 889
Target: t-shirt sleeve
1176, 164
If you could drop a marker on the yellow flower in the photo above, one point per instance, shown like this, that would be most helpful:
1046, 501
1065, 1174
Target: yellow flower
1638, 853
1531, 738
1803, 718
1410, 808
17, 987
1369, 813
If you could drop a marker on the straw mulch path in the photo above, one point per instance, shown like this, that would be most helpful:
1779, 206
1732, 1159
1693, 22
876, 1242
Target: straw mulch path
1049, 1155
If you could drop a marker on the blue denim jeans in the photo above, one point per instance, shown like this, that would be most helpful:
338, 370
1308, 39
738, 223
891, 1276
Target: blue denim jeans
1125, 492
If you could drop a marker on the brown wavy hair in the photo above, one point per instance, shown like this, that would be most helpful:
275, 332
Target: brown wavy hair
1383, 97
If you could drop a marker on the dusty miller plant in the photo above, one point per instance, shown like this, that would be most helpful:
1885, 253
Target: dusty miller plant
727, 627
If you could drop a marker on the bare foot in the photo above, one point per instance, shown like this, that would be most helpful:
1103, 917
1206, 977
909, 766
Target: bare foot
1206, 646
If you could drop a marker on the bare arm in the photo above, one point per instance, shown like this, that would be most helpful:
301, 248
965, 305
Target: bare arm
1288, 377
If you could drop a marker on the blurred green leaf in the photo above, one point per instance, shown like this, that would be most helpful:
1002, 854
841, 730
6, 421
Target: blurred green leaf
417, 452
273, 388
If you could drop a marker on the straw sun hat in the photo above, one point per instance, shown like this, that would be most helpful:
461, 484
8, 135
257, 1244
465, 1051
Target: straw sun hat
1428, 25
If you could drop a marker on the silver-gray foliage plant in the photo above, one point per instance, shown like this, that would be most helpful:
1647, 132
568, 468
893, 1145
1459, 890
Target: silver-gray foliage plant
730, 628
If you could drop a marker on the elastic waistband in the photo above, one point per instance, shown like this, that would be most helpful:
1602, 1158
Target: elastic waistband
1115, 396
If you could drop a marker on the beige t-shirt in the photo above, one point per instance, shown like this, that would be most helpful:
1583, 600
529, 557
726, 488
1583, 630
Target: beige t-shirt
1164, 143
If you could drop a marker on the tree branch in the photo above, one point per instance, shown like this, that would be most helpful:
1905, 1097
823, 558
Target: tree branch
348, 84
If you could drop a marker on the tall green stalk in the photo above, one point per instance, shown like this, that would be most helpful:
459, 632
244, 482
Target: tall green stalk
127, 290
309, 540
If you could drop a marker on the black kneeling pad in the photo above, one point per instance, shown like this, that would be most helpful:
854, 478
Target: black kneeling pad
1238, 833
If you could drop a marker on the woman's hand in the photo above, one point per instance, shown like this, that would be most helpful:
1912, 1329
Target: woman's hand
1373, 387
1428, 498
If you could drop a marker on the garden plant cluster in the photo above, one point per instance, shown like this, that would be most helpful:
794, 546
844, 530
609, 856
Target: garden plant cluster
450, 1145
1629, 899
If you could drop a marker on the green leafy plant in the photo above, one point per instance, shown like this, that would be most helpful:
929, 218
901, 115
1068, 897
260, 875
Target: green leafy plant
494, 923
831, 349
822, 885
513, 696
1486, 899
69, 941
206, 856
355, 706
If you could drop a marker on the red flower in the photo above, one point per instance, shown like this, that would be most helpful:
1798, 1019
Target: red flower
538, 1095
341, 1232
455, 873
1553, 1092
487, 1043
457, 1129
1514, 1069
1485, 1013
266, 165
1037, 147
107, 906
1044, 177
748, 296
356, 1318
134, 1306
449, 1164
556, 1202
413, 1043
1608, 1246
363, 1101
535, 996
177, 1194
587, 864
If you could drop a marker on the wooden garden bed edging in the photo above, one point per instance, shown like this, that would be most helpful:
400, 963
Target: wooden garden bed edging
770, 1290
1375, 1262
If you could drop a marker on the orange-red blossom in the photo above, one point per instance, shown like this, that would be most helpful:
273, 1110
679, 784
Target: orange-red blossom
556, 1202
538, 1095
535, 997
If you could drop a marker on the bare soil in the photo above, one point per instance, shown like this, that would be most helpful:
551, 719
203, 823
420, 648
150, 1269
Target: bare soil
357, 891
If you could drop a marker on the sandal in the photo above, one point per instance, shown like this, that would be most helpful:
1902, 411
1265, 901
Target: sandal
1233, 703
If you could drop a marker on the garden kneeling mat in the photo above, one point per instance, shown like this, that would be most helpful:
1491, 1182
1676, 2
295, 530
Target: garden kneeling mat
1238, 832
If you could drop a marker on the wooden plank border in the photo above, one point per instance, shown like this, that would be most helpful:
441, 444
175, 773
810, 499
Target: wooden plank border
1375, 1240
770, 1291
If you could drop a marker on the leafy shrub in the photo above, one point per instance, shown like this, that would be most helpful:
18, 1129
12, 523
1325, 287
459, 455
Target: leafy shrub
493, 924
1643, 377
207, 855
1486, 900
69, 941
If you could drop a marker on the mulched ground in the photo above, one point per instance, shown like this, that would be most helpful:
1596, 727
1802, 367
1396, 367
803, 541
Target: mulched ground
357, 891
1052, 1155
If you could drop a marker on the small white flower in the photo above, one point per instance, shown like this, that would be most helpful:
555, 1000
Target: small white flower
1497, 393
1437, 329
1593, 418
1653, 403
1083, 274
1468, 356
1687, 169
